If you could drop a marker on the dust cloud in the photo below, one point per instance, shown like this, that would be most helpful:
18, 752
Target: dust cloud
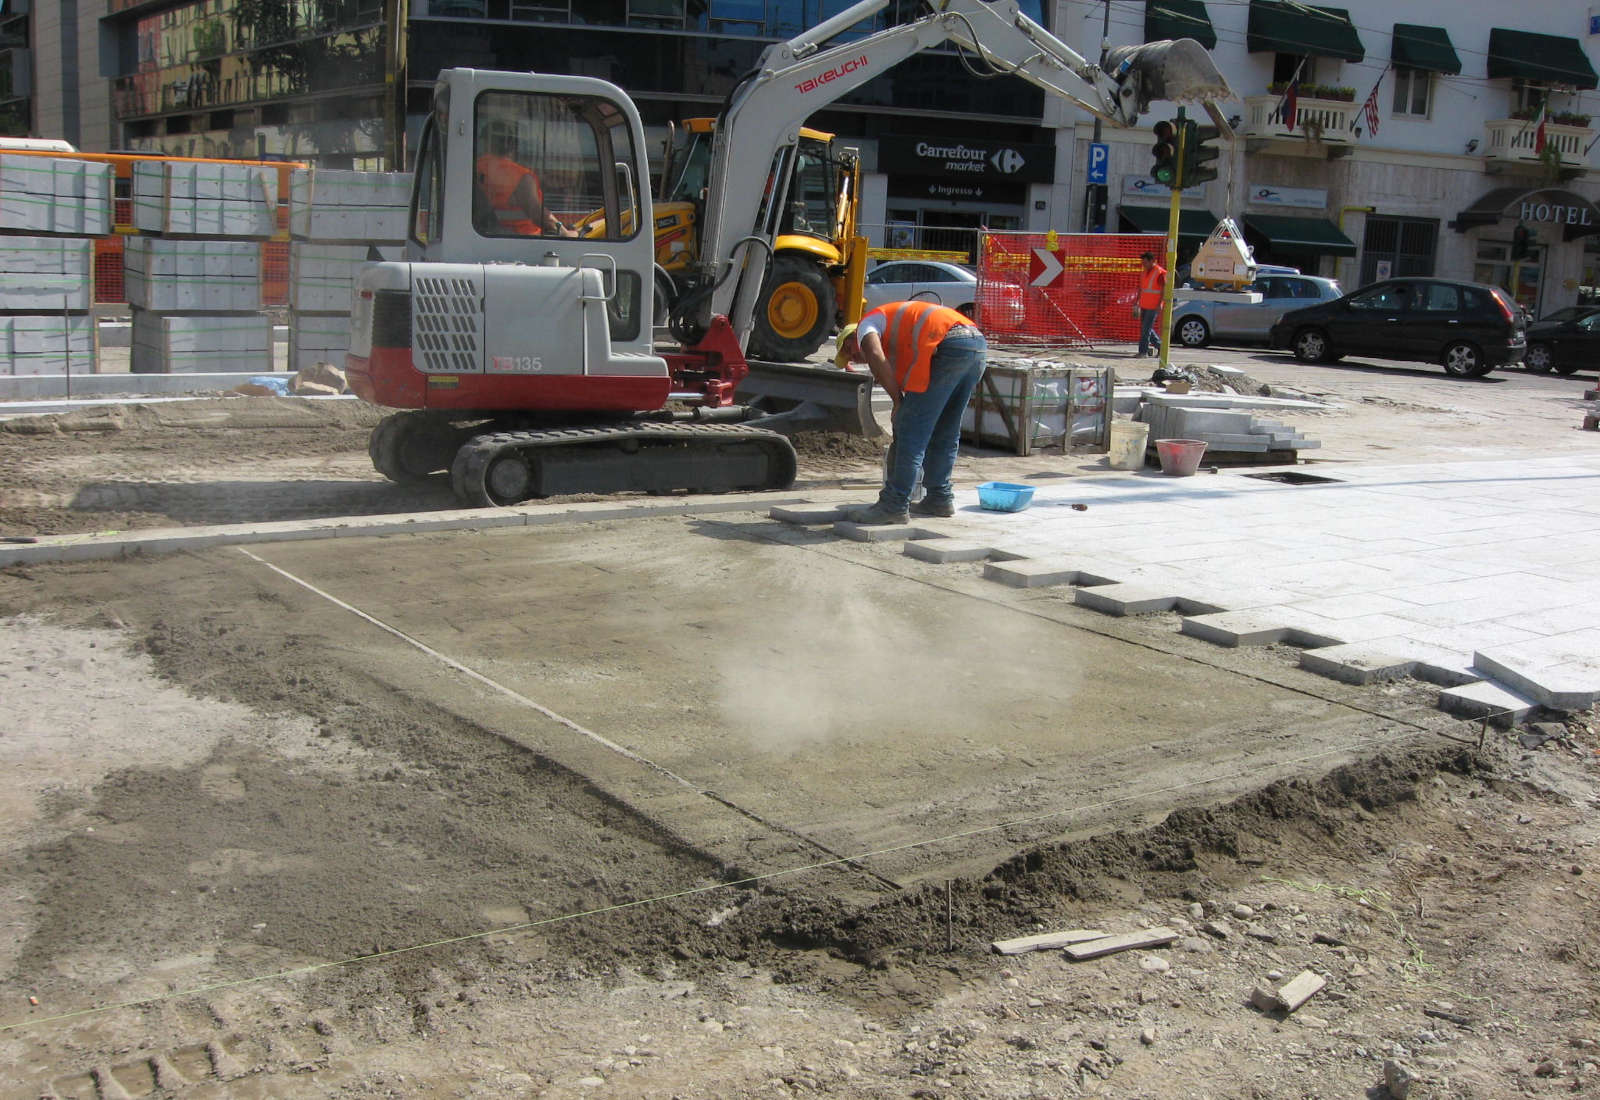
856, 665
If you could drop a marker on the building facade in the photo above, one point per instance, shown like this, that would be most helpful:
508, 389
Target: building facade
1420, 137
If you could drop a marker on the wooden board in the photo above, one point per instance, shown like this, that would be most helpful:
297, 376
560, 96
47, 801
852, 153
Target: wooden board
1107, 945
1044, 941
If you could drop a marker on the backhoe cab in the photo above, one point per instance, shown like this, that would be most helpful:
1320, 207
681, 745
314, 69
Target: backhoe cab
803, 299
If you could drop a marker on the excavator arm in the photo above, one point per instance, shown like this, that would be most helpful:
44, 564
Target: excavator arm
759, 128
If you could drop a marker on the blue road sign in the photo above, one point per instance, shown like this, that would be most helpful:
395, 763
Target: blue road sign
1099, 162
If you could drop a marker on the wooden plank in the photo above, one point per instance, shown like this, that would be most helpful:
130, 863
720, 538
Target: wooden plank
1107, 945
1044, 940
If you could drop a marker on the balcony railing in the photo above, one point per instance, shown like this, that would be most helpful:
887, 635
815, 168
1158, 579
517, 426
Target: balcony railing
1324, 120
1512, 140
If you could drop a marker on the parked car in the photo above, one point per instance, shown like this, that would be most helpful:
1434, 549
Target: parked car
1570, 313
1198, 322
1563, 343
944, 284
1468, 328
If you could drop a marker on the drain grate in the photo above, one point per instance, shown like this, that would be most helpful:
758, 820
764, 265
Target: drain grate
1293, 477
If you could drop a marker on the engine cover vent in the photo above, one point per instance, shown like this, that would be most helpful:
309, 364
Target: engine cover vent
446, 322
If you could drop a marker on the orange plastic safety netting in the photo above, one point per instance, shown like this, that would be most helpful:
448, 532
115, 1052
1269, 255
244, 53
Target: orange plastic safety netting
1066, 290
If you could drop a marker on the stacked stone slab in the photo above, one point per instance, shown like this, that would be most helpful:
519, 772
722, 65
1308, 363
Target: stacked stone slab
338, 220
193, 279
1221, 429
49, 209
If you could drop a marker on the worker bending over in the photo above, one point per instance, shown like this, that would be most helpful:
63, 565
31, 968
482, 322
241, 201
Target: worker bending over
929, 359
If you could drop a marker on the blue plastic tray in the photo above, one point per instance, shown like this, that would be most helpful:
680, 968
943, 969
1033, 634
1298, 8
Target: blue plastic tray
1004, 496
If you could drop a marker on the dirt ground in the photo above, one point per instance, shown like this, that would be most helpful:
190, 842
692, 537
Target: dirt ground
237, 862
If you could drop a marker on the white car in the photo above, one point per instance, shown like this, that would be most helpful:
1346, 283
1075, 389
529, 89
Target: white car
1196, 323
944, 284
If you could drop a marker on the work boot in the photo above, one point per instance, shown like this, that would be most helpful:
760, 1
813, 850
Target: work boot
871, 515
930, 507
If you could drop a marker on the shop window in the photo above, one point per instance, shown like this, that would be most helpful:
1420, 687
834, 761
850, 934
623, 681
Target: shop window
1589, 285
1413, 92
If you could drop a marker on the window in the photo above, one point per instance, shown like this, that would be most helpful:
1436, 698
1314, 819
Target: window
1380, 299
1441, 298
1413, 90
1285, 65
565, 155
1527, 98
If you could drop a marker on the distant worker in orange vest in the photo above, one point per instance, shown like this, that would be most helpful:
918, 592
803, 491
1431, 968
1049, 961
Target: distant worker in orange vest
508, 200
929, 359
1151, 285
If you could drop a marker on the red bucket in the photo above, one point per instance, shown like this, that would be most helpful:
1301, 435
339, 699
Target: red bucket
1180, 457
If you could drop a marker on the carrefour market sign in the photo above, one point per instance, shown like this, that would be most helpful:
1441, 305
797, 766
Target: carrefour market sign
967, 159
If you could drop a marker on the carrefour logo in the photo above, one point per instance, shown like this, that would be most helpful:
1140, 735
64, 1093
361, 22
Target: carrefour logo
1007, 160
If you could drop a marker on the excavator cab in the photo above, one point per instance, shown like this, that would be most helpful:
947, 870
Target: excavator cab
500, 308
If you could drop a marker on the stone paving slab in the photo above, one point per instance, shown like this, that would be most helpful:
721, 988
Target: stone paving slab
1451, 571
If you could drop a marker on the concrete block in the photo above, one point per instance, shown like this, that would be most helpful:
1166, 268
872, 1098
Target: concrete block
200, 199
1355, 663
807, 516
55, 195
46, 344
1125, 599
857, 532
192, 276
1034, 573
337, 205
165, 343
1237, 628
1572, 685
46, 274
322, 276
943, 551
1486, 699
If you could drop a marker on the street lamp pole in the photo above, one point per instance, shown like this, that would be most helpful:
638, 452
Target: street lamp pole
1088, 189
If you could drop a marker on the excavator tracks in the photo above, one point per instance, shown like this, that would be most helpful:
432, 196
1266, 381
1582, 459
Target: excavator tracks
502, 468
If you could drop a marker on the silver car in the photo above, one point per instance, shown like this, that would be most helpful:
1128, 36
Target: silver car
944, 284
1196, 323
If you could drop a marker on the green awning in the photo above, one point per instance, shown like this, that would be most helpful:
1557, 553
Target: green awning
1427, 48
1278, 26
1546, 58
1178, 19
1153, 219
1317, 235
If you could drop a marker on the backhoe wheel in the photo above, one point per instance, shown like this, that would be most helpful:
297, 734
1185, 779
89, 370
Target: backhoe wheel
795, 312
410, 447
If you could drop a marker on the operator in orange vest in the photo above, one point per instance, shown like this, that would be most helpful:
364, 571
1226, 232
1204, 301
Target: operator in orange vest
508, 200
1152, 283
929, 359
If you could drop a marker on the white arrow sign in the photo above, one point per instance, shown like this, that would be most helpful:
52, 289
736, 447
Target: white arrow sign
1048, 265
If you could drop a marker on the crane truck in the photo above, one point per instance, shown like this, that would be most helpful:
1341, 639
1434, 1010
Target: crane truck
526, 366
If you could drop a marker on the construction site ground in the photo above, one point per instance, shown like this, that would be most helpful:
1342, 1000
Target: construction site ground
663, 798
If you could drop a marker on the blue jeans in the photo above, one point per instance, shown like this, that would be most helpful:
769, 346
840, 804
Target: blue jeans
1148, 340
927, 426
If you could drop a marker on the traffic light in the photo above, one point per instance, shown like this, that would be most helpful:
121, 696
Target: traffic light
1521, 242
1198, 154
1166, 169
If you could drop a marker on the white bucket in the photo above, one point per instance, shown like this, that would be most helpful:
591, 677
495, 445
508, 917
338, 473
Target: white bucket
1128, 439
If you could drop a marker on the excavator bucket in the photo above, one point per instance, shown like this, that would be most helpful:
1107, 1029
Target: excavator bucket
804, 397
1177, 69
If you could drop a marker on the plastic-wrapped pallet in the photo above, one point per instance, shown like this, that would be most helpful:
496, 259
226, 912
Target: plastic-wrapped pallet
46, 274
167, 343
206, 199
318, 338
42, 344
333, 205
183, 276
322, 276
54, 195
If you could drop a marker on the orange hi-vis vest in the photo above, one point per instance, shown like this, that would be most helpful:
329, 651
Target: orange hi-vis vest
499, 178
912, 332
1150, 288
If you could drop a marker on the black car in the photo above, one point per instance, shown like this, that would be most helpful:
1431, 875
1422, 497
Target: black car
1564, 345
1468, 328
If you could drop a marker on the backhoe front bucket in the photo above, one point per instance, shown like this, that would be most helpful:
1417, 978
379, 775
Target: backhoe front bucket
804, 397
1177, 69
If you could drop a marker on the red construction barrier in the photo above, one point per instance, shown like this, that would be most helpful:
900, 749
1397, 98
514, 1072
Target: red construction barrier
1061, 290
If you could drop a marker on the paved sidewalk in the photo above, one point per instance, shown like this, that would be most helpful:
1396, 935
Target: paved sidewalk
1481, 576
